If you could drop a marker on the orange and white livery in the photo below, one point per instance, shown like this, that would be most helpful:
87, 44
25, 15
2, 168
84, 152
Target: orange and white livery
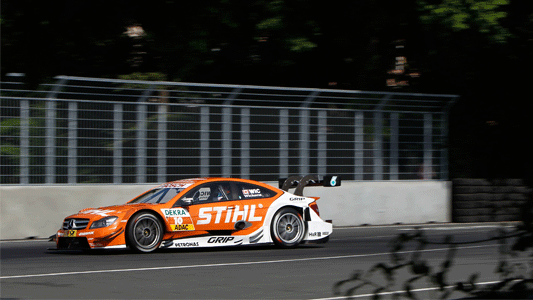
203, 212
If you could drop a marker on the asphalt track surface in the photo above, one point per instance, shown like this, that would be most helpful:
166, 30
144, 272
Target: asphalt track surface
29, 270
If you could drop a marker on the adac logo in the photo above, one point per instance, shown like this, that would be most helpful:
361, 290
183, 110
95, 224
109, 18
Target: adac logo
182, 227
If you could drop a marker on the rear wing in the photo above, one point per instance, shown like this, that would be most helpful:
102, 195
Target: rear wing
300, 182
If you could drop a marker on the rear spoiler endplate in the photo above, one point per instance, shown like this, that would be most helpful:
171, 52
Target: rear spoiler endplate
300, 182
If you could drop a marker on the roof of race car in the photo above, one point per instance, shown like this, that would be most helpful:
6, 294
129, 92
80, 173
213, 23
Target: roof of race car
185, 183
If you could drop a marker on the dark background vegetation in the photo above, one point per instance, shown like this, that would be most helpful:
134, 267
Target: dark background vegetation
480, 50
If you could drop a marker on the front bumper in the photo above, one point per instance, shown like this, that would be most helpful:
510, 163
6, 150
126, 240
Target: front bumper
91, 239
72, 243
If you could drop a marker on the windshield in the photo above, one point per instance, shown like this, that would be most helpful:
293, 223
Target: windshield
162, 195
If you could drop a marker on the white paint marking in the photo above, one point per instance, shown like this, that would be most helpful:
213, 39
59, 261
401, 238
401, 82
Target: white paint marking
400, 292
458, 227
25, 240
232, 264
426, 226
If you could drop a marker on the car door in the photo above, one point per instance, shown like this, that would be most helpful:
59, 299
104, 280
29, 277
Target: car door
256, 200
214, 206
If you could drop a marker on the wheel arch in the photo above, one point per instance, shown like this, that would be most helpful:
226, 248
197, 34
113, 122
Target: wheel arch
299, 209
302, 212
153, 212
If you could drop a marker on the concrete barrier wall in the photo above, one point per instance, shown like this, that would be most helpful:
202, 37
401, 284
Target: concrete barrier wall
377, 203
38, 211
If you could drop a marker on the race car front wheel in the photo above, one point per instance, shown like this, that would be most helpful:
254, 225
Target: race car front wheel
287, 228
144, 232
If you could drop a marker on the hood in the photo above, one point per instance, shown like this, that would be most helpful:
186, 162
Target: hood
115, 210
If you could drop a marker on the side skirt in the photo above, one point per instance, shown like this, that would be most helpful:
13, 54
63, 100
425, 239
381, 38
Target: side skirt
214, 241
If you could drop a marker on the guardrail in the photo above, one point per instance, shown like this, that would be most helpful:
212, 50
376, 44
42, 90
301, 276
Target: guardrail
88, 130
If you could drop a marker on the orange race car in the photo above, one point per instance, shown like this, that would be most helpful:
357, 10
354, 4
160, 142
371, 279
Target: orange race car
203, 212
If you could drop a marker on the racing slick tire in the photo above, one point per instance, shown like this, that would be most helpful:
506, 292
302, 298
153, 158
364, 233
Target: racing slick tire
144, 232
287, 228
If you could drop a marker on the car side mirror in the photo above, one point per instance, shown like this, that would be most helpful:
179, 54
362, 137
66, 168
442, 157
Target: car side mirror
183, 202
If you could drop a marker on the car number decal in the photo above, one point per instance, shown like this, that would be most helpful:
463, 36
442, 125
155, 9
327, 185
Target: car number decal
178, 219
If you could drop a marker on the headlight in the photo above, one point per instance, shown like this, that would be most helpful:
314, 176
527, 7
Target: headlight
107, 221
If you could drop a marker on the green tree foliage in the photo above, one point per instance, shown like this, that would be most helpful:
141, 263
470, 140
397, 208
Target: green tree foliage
477, 49
482, 16
289, 43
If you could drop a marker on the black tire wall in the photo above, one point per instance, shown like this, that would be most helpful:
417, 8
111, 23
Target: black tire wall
481, 200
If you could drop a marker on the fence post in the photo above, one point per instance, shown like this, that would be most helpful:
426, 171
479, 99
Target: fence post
245, 143
378, 145
359, 144
378, 138
394, 167
118, 128
322, 142
284, 143
50, 144
24, 141
428, 147
227, 133
304, 133
204, 141
72, 169
50, 131
162, 111
142, 136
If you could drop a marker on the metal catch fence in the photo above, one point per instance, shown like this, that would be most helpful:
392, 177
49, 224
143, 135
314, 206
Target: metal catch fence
88, 130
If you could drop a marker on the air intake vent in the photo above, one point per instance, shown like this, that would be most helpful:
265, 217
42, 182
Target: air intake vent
75, 224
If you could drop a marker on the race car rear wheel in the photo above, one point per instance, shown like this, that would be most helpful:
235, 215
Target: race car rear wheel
287, 228
144, 232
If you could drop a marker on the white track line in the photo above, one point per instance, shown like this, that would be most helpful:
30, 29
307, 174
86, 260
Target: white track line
399, 292
231, 264
438, 226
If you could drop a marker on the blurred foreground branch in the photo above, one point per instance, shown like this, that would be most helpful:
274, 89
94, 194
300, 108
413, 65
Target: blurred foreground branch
515, 278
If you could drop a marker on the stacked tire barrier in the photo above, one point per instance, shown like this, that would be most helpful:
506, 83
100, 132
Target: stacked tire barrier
481, 200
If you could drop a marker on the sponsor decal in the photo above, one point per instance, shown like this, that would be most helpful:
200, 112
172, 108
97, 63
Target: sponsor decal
85, 233
175, 212
297, 199
100, 212
71, 233
249, 193
182, 227
317, 234
182, 185
232, 215
220, 239
186, 245
204, 194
